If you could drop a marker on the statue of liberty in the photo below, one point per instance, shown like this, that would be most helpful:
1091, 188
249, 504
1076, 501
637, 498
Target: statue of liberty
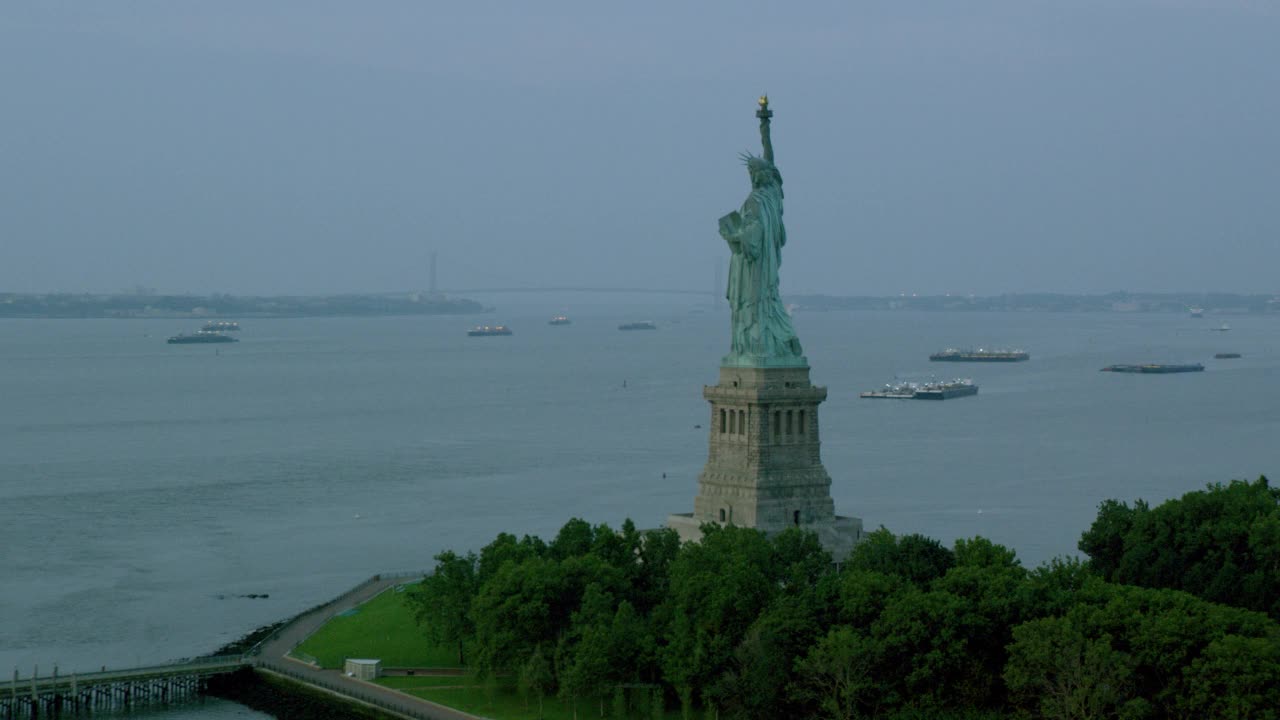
762, 331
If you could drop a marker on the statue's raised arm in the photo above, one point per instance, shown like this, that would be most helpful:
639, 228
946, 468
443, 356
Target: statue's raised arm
762, 332
764, 113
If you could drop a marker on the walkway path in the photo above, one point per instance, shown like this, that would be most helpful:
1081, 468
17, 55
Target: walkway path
271, 655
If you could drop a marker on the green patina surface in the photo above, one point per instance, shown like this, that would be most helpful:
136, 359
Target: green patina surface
762, 332
382, 628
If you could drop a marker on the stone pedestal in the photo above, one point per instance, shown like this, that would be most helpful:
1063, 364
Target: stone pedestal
763, 468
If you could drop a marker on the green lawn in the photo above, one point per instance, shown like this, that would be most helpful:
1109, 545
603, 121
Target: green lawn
427, 681
506, 703
382, 628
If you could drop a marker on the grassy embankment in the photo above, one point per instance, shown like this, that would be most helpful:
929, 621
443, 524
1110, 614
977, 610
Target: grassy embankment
381, 628
384, 628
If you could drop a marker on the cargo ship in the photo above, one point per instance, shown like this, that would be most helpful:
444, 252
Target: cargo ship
202, 336
489, 330
979, 355
924, 391
1227, 356
642, 325
221, 326
559, 320
1153, 368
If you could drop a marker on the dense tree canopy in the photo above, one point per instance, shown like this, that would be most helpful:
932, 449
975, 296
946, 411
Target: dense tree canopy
1221, 543
750, 626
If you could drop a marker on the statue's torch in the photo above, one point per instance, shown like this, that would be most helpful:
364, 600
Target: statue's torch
764, 113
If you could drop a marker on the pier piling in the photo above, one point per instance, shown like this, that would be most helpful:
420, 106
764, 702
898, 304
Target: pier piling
58, 696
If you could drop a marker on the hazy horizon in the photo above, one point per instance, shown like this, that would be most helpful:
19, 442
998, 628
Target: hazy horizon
633, 292
320, 147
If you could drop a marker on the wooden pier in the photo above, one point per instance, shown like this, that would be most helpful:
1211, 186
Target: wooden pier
57, 695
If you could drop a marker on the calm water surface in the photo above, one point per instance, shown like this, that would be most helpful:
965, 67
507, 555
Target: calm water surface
145, 487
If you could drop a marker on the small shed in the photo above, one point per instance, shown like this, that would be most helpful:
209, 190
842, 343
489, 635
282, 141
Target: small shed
362, 669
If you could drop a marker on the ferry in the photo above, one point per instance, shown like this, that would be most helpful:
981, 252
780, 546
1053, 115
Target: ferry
980, 355
924, 391
642, 325
199, 337
489, 330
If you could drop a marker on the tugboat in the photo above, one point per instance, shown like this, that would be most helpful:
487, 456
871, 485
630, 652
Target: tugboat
979, 355
642, 325
221, 326
925, 391
202, 336
559, 320
488, 330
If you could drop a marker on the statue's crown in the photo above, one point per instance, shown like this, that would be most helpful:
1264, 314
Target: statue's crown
754, 162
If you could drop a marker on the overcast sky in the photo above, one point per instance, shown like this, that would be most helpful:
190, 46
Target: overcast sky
931, 147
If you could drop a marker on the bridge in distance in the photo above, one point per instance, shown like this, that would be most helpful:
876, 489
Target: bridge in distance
643, 291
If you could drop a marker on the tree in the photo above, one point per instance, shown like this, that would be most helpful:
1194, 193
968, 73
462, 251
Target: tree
1235, 678
862, 595
585, 654
442, 601
619, 704
916, 558
801, 559
1057, 672
651, 580
504, 549
1054, 587
757, 681
1159, 634
718, 587
921, 644
1221, 543
1104, 541
981, 552
836, 675
516, 610
574, 540
657, 705
536, 676
990, 583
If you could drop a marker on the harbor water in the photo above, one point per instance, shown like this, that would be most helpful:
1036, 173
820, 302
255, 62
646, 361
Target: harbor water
146, 489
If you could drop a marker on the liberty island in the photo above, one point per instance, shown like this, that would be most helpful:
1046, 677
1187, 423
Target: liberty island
764, 468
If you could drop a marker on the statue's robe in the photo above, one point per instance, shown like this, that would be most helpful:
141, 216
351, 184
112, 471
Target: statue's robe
761, 327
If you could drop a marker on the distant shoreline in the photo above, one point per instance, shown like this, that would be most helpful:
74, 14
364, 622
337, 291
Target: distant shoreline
64, 306
134, 306
1118, 302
